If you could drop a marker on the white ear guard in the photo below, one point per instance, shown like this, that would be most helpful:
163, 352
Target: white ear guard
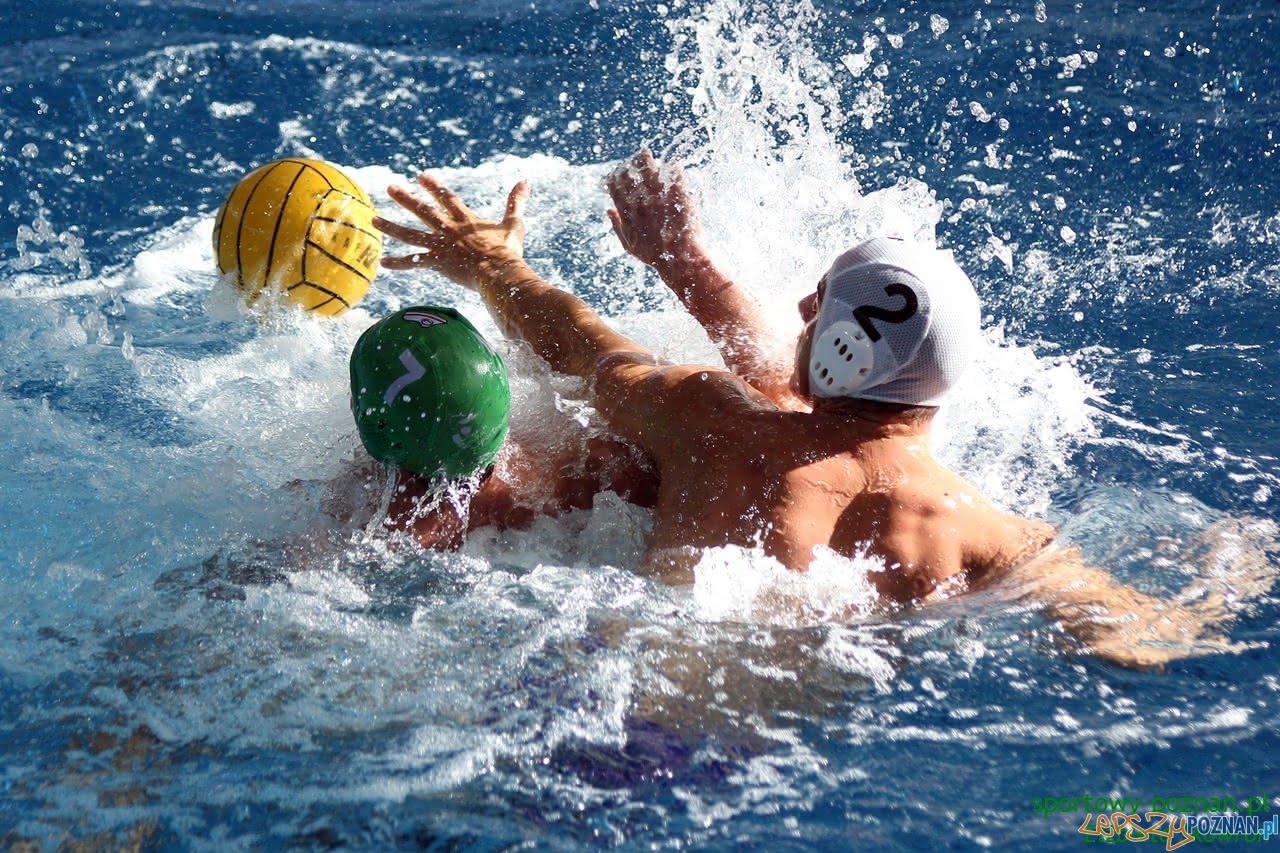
841, 360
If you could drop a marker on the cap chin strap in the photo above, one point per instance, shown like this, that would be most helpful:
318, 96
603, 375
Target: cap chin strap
841, 360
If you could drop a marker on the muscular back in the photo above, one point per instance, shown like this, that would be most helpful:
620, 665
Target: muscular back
742, 472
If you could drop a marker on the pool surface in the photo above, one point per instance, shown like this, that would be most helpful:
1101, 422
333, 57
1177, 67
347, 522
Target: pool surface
199, 653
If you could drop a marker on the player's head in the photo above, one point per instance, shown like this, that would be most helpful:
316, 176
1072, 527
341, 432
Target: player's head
428, 394
891, 321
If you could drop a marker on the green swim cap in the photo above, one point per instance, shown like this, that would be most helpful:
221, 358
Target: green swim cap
428, 394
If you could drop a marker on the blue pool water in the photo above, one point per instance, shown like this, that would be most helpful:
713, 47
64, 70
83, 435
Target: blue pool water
196, 655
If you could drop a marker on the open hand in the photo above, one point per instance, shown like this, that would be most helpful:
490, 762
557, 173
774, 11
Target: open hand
655, 218
456, 242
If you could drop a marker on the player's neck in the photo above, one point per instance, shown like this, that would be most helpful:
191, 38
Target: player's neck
494, 503
888, 420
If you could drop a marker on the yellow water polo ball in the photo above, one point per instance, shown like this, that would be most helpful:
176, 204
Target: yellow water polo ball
300, 228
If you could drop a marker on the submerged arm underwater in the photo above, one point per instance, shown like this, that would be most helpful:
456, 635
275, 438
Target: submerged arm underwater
1122, 624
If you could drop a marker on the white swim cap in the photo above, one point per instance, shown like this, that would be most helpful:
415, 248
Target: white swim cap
898, 324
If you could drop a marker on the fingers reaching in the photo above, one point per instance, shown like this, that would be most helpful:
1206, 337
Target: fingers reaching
406, 262
455, 242
650, 173
412, 236
642, 179
419, 207
447, 198
616, 220
513, 219
516, 202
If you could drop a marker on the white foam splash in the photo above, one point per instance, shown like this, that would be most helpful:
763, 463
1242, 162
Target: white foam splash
740, 584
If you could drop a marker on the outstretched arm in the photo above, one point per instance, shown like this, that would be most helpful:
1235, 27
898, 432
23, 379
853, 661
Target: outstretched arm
636, 396
643, 402
487, 257
657, 222
1111, 619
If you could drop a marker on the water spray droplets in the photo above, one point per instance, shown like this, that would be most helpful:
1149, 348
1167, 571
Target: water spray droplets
66, 246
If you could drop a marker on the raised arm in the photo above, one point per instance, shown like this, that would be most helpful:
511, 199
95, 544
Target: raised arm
487, 257
641, 401
657, 222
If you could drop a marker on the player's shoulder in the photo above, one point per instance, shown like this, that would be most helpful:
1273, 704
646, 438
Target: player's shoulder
1006, 540
992, 535
707, 389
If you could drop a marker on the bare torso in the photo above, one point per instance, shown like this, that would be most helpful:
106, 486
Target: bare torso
736, 469
746, 473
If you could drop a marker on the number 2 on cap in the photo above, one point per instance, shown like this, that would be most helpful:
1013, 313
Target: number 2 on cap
864, 314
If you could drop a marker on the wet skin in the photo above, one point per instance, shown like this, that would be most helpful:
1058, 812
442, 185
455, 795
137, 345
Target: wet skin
735, 466
746, 457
